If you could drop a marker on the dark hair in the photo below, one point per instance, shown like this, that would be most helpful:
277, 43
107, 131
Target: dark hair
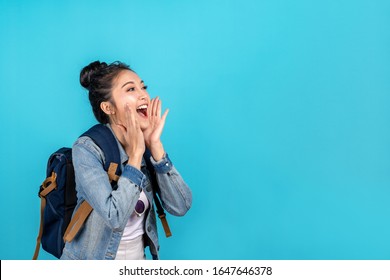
97, 78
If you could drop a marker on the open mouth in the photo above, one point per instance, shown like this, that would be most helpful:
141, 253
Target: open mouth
143, 110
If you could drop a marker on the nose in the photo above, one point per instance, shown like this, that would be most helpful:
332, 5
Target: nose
142, 95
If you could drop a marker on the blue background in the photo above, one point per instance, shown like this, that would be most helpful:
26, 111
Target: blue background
279, 117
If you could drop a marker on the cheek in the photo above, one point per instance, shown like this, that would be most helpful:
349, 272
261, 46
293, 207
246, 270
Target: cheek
120, 104
121, 117
126, 99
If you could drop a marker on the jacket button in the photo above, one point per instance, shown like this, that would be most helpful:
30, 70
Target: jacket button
149, 228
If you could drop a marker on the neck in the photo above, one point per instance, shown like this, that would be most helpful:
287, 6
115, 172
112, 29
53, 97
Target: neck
118, 133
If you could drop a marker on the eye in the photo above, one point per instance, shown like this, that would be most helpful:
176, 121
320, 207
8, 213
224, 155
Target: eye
131, 89
144, 87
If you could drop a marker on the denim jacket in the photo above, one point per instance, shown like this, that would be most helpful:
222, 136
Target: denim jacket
100, 235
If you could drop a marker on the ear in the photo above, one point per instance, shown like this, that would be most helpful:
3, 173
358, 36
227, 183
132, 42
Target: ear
107, 108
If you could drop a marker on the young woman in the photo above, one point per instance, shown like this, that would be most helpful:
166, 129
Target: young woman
123, 221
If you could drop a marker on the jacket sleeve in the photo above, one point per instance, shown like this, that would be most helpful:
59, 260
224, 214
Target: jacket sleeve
176, 196
114, 206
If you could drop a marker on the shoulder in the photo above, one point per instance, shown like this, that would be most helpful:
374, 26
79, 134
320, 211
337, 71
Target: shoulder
85, 146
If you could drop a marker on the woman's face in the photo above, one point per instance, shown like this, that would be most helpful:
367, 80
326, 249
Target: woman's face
129, 89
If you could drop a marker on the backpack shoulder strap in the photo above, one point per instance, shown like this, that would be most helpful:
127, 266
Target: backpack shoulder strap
156, 190
102, 136
105, 139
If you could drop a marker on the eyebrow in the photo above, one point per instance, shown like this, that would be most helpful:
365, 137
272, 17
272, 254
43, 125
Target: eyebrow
130, 82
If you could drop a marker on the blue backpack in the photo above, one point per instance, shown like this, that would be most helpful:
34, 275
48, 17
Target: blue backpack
58, 223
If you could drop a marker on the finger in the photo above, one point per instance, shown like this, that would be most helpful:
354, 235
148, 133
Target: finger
130, 118
150, 108
155, 105
159, 105
134, 119
136, 123
161, 124
160, 127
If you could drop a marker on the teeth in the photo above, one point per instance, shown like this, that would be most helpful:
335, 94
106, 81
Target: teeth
142, 107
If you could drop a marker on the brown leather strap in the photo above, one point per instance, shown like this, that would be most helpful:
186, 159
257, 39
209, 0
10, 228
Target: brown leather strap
85, 209
77, 221
165, 225
36, 253
48, 185
111, 172
46, 189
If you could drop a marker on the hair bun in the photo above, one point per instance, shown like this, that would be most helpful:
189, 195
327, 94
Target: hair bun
87, 73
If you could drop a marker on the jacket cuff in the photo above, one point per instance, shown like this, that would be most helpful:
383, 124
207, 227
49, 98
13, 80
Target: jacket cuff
162, 166
133, 174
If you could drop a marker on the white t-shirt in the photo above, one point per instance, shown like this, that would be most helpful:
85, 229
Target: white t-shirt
135, 224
